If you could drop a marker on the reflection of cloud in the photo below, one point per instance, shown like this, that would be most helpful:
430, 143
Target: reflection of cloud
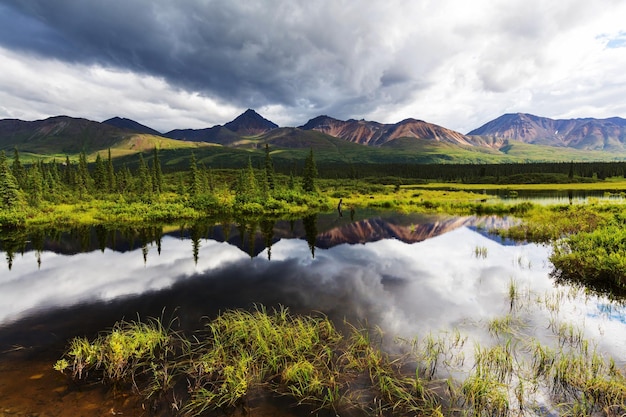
406, 289
67, 280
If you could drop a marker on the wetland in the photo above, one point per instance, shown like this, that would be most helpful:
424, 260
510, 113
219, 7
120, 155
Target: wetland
421, 314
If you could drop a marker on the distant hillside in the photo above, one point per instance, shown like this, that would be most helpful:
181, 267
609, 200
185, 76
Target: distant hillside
584, 134
60, 134
216, 134
131, 125
377, 134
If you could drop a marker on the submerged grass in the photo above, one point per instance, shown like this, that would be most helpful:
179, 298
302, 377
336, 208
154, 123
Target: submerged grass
241, 355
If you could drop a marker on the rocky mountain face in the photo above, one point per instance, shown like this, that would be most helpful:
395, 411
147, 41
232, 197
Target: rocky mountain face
586, 134
377, 134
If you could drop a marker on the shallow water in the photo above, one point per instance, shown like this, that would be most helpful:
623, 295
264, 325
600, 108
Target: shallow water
409, 275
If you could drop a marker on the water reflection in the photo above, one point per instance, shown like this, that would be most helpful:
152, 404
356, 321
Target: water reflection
252, 236
407, 276
562, 196
53, 270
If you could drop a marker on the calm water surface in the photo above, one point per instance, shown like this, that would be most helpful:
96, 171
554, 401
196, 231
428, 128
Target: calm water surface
411, 275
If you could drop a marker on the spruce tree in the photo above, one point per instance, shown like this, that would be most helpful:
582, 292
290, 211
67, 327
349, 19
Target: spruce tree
111, 185
10, 194
68, 173
194, 177
157, 174
100, 175
34, 185
18, 169
145, 179
83, 179
269, 169
310, 173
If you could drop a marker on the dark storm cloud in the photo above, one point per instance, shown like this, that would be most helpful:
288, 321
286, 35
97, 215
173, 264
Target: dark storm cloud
248, 53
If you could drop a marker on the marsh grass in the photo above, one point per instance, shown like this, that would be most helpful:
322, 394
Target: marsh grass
480, 252
241, 355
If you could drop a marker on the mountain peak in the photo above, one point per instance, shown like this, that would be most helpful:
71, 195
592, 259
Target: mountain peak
128, 124
584, 134
250, 123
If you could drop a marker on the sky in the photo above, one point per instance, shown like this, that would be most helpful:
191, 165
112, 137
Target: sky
198, 63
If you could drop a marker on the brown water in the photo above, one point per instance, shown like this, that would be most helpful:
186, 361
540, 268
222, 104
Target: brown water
30, 387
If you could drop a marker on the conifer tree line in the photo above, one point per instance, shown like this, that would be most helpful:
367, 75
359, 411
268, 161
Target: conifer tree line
488, 173
66, 180
72, 180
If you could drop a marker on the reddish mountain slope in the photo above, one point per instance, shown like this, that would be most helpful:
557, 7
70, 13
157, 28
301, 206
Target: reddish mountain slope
377, 134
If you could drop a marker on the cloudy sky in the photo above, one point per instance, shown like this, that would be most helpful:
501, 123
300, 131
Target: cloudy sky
197, 63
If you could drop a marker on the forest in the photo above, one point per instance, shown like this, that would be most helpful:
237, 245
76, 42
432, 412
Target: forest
103, 190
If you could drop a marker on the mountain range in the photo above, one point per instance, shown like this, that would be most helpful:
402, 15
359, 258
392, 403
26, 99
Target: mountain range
514, 137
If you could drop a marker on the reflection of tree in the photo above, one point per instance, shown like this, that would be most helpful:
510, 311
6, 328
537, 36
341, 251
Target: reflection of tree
195, 234
247, 227
267, 228
84, 235
11, 244
143, 238
310, 230
158, 235
252, 226
38, 238
101, 235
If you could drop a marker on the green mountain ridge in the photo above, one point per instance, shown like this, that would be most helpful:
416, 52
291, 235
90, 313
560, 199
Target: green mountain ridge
408, 142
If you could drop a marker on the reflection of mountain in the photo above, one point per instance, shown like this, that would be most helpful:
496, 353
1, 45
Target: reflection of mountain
374, 229
322, 231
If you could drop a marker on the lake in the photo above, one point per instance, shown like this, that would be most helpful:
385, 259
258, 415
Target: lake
410, 275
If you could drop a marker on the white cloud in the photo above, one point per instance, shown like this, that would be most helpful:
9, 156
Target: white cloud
34, 88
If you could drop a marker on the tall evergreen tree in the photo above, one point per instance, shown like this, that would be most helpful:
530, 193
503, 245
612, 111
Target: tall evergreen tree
10, 194
34, 185
145, 179
269, 169
123, 179
210, 179
194, 177
111, 174
18, 169
246, 188
68, 173
157, 173
310, 173
83, 179
100, 175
